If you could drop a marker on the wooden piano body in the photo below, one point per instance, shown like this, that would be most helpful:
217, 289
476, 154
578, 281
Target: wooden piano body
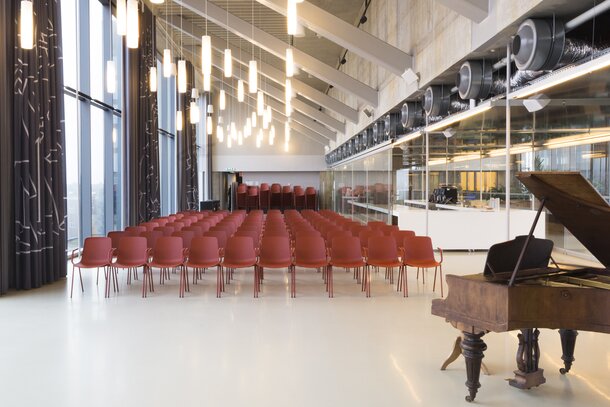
520, 291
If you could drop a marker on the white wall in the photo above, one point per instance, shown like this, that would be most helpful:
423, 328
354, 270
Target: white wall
304, 179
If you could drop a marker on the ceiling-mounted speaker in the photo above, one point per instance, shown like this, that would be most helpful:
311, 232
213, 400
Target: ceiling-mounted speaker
392, 126
378, 132
474, 79
539, 44
411, 115
436, 100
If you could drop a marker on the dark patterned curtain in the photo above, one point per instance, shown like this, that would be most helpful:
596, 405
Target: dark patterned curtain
39, 190
188, 195
142, 126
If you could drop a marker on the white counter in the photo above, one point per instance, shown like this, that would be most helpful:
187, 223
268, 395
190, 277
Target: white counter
467, 229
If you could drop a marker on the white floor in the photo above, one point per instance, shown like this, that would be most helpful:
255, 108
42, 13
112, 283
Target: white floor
271, 351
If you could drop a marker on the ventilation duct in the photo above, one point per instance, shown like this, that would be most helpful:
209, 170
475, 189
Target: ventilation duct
539, 44
436, 100
411, 115
474, 79
392, 125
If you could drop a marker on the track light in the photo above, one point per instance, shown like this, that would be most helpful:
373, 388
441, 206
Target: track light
363, 19
26, 24
343, 61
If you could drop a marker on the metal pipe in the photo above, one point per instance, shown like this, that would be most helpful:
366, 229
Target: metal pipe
587, 15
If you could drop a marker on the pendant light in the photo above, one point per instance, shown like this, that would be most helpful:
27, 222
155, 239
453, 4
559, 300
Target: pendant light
222, 100
26, 24
110, 76
289, 62
286, 135
157, 1
248, 126
182, 76
233, 131
288, 91
240, 91
260, 103
288, 107
228, 63
179, 120
220, 133
208, 125
254, 116
269, 117
121, 17
291, 17
229, 142
271, 135
240, 138
252, 77
265, 121
207, 82
206, 55
133, 24
194, 113
153, 79
167, 63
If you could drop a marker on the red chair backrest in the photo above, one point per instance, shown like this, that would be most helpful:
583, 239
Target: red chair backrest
400, 236
240, 249
187, 237
275, 249
115, 237
418, 248
169, 251
310, 249
133, 250
151, 238
219, 235
204, 250
135, 230
197, 231
366, 234
166, 230
346, 249
97, 250
382, 248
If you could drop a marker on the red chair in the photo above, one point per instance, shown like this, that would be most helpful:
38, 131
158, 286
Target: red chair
135, 230
382, 252
400, 236
252, 233
204, 254
169, 254
299, 198
115, 237
310, 252
275, 253
178, 226
241, 196
221, 238
252, 200
166, 230
265, 194
275, 197
97, 252
186, 236
197, 230
418, 252
204, 225
388, 230
151, 238
311, 198
345, 252
375, 224
131, 254
150, 226
287, 197
365, 236
239, 253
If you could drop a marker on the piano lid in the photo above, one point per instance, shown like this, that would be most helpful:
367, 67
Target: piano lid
577, 205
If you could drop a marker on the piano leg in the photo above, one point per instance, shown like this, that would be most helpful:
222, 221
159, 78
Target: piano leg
568, 342
528, 374
472, 349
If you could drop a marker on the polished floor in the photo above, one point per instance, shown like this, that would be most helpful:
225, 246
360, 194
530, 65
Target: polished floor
271, 351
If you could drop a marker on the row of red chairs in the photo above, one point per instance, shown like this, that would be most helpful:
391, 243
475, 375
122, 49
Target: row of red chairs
276, 196
203, 240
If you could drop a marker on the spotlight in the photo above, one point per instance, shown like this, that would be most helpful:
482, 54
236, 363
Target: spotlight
343, 61
363, 19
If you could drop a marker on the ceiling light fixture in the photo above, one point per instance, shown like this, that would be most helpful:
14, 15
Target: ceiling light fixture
133, 24
26, 24
240, 91
179, 120
182, 76
291, 17
167, 63
153, 79
121, 17
222, 100
209, 125
260, 103
289, 62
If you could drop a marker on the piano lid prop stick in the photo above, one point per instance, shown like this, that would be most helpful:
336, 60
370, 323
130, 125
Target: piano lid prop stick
527, 242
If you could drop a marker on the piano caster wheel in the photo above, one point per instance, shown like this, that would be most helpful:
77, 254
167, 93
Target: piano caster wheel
563, 370
469, 398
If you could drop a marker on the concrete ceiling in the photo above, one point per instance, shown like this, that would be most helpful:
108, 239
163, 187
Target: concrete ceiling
271, 22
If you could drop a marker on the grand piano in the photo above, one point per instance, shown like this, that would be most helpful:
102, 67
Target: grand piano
522, 288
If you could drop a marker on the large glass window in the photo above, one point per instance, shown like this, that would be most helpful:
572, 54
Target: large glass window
92, 120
